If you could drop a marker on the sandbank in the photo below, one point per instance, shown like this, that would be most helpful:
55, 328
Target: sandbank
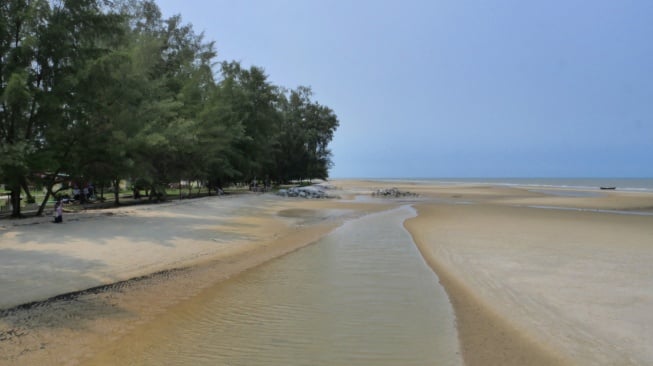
539, 277
537, 286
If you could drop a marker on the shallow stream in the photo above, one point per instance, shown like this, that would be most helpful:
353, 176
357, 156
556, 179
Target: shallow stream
362, 295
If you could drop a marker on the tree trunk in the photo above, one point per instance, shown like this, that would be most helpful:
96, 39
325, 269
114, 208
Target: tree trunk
116, 192
23, 184
45, 201
15, 201
48, 193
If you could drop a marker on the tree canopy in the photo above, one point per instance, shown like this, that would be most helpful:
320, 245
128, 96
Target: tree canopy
100, 91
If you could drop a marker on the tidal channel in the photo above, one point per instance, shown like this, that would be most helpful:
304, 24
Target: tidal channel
362, 295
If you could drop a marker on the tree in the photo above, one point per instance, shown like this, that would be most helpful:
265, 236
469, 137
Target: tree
92, 90
80, 34
43, 45
21, 91
305, 133
320, 125
254, 101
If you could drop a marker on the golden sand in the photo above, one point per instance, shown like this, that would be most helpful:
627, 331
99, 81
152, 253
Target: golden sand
529, 286
244, 232
532, 286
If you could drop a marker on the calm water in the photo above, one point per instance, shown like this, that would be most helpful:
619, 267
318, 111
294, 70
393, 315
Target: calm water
361, 296
622, 184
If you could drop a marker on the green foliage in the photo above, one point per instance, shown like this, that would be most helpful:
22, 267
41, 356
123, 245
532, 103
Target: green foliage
96, 91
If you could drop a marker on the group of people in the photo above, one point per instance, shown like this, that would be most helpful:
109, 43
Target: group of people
83, 194
254, 186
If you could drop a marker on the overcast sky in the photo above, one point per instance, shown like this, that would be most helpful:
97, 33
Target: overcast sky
458, 88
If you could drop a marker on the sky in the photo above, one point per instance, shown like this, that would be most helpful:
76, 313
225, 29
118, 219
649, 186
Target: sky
457, 88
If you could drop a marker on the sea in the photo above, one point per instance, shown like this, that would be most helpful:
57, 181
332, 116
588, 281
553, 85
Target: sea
621, 184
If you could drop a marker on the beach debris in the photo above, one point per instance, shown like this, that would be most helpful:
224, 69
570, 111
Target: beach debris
393, 192
305, 192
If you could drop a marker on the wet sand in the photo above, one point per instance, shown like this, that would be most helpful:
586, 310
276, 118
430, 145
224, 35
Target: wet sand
569, 284
543, 287
528, 285
534, 286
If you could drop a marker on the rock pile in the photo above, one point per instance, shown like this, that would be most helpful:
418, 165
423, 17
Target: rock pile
393, 193
304, 192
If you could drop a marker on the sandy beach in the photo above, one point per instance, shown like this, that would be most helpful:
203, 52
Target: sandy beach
151, 257
538, 278
533, 277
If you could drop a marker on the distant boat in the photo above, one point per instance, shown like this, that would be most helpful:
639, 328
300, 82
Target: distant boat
612, 188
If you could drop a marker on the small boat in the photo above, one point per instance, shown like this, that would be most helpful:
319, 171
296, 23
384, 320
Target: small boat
610, 188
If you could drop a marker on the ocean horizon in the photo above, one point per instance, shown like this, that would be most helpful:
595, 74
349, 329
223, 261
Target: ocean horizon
621, 184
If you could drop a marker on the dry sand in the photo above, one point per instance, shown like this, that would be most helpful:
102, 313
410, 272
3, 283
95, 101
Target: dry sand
529, 286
